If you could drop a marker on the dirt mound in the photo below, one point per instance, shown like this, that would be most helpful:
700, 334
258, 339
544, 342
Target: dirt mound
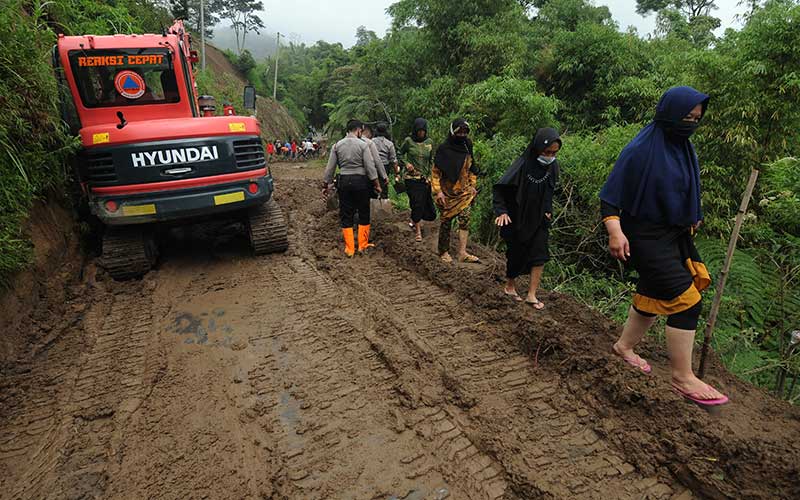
276, 123
392, 375
43, 295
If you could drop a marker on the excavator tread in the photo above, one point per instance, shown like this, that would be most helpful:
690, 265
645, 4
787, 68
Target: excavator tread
128, 253
267, 229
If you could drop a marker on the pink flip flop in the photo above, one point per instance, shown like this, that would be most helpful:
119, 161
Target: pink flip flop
693, 396
646, 368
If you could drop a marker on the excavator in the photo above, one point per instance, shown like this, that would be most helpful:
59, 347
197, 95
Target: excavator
154, 154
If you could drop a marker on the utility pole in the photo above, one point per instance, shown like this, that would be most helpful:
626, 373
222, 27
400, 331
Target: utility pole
277, 54
202, 35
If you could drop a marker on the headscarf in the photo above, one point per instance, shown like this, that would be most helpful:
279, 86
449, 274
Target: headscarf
382, 130
419, 124
657, 175
531, 199
451, 155
543, 139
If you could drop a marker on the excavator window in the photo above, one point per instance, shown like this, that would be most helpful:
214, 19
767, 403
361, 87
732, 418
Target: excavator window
124, 77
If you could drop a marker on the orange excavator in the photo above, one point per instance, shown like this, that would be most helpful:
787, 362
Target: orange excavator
153, 152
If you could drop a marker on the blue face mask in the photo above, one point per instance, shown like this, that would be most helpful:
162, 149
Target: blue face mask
546, 160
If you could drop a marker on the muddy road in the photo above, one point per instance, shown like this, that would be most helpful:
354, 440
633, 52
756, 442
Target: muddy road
307, 375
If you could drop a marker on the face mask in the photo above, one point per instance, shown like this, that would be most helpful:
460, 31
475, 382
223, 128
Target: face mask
682, 129
546, 160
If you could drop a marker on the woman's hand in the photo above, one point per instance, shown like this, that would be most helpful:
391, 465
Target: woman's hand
503, 220
473, 191
548, 215
440, 198
618, 245
410, 168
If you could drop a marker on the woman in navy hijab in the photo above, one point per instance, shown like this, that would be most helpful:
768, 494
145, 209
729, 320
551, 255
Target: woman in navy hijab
651, 209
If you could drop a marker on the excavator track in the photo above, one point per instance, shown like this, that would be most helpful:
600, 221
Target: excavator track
267, 229
128, 253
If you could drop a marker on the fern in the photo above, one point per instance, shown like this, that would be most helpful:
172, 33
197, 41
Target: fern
749, 288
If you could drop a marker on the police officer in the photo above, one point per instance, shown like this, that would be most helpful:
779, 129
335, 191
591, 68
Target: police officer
387, 152
358, 177
366, 136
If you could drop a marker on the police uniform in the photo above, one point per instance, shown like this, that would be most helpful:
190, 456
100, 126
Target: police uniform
357, 174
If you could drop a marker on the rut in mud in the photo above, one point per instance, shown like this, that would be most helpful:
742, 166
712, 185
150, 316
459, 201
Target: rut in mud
307, 375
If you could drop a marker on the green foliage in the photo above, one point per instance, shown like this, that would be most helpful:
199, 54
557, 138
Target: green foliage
34, 143
505, 103
781, 190
223, 86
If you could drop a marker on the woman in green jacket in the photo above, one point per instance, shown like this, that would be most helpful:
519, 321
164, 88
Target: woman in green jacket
416, 155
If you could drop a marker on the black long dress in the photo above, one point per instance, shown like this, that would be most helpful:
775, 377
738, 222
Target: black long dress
525, 193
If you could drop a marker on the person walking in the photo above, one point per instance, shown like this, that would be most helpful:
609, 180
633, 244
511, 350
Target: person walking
270, 151
651, 209
366, 136
357, 179
416, 154
523, 205
454, 182
386, 153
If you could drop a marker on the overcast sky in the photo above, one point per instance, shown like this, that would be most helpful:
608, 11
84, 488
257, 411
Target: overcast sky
336, 20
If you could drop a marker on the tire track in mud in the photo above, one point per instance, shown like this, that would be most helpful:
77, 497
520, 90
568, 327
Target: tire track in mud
347, 406
66, 438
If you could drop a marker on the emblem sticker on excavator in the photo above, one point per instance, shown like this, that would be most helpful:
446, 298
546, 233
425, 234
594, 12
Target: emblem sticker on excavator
129, 84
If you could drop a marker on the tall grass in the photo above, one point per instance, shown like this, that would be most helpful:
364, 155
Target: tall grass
33, 141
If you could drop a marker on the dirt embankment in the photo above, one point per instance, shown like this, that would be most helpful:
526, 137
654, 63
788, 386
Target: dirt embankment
309, 375
44, 297
276, 123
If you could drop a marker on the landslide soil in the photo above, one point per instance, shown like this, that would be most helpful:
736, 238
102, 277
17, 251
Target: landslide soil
387, 376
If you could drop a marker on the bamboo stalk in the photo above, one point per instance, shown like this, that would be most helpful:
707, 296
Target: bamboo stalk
712, 318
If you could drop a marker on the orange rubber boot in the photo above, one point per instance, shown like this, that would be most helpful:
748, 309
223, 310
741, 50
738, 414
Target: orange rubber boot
363, 238
349, 241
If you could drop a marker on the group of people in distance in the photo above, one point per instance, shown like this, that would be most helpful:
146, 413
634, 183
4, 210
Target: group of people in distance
293, 150
650, 206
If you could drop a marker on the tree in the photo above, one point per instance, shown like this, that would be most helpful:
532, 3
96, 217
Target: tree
364, 36
179, 9
244, 18
690, 8
189, 11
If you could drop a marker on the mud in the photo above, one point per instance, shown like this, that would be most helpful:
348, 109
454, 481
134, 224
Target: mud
390, 376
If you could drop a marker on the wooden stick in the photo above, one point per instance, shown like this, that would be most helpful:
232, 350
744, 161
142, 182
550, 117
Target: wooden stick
712, 317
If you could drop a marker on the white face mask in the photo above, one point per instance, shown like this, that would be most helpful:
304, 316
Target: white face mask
546, 160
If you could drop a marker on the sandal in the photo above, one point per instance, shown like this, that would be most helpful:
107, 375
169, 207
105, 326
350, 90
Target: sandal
633, 361
514, 295
536, 304
469, 259
418, 238
695, 396
446, 258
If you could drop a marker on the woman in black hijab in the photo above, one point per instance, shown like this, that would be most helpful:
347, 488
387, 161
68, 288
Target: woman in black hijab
523, 204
